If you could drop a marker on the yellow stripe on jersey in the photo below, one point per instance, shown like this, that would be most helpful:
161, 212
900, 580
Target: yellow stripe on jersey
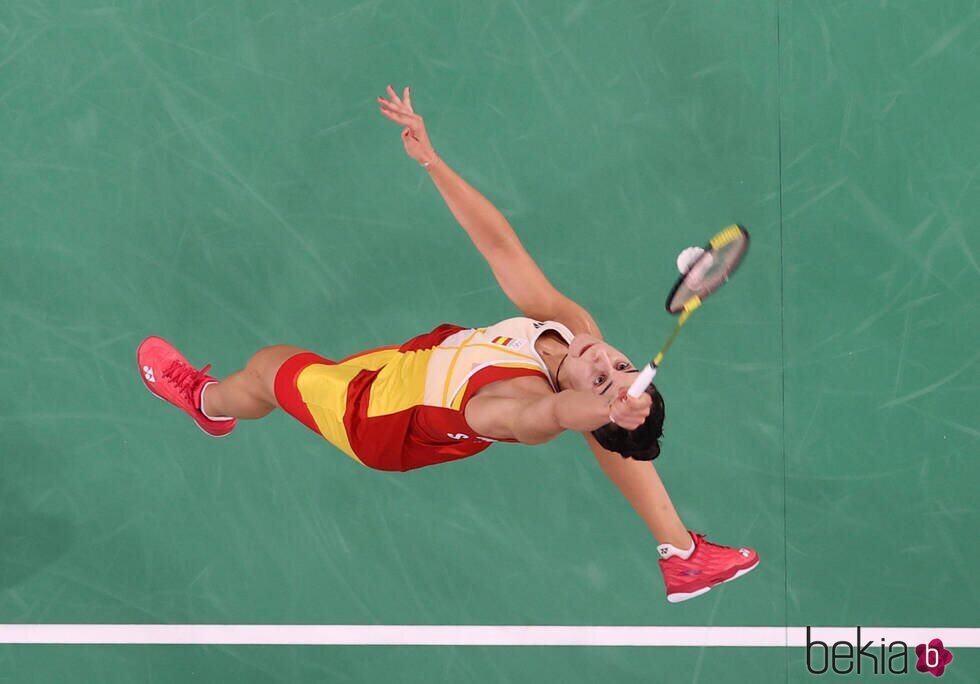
497, 350
401, 383
461, 392
452, 365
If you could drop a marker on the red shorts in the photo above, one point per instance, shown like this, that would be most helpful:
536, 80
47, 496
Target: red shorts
326, 385
286, 393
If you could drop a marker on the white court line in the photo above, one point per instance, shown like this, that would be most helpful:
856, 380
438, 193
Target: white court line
477, 635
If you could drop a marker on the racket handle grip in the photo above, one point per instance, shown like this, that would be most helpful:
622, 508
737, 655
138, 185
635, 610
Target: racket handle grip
642, 381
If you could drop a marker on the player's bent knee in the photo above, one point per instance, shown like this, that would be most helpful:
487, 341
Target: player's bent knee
266, 362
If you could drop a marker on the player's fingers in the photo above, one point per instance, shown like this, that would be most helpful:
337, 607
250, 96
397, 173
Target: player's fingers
642, 401
632, 411
394, 109
397, 118
393, 95
391, 106
413, 120
407, 99
626, 422
400, 110
638, 407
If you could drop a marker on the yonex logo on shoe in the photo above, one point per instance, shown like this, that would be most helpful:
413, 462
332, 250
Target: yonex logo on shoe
148, 374
689, 573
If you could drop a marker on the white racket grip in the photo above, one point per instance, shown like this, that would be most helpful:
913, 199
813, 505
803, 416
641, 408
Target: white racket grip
642, 381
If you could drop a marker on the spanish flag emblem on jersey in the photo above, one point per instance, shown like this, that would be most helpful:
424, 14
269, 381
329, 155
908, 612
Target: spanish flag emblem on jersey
509, 342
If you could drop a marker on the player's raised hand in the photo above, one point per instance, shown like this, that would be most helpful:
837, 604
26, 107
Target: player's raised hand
416, 140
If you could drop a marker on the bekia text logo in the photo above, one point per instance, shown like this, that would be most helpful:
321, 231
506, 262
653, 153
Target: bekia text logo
844, 657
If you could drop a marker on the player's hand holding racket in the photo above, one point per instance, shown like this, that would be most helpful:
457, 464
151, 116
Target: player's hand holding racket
629, 412
416, 140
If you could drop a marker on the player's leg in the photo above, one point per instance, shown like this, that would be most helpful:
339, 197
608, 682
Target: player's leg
250, 393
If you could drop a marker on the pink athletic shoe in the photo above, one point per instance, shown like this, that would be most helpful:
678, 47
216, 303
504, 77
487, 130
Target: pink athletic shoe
167, 374
710, 564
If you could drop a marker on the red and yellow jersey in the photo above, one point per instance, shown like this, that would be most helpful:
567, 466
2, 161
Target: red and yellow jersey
399, 408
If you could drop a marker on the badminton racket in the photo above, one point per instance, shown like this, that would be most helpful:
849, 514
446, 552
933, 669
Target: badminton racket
711, 270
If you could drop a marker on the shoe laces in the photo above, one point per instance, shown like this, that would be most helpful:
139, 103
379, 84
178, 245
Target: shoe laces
700, 539
185, 377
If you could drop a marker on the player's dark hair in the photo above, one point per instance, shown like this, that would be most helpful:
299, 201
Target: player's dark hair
641, 444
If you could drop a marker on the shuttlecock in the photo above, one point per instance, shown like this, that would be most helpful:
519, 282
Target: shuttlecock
687, 258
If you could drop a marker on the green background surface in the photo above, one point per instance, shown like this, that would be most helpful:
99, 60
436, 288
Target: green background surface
218, 174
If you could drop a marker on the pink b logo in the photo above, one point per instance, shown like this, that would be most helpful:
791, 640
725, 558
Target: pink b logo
933, 658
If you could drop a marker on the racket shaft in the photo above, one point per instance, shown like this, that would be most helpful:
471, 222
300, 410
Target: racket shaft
646, 375
670, 340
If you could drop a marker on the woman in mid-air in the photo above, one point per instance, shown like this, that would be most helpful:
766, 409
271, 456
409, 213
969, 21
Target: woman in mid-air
452, 392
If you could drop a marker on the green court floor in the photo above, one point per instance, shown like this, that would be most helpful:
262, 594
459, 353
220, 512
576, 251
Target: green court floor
218, 174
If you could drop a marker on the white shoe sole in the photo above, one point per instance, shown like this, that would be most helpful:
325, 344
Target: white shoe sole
678, 597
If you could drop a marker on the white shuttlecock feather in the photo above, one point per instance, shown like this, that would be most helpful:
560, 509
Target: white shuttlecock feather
687, 258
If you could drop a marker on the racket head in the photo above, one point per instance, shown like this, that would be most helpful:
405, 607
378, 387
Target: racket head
722, 255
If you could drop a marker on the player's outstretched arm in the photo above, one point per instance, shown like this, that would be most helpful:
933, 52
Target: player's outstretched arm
539, 419
517, 273
640, 484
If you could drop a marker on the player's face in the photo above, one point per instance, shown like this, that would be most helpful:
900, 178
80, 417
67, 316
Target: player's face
597, 367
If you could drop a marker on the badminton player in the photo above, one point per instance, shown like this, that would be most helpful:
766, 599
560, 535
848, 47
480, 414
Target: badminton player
452, 392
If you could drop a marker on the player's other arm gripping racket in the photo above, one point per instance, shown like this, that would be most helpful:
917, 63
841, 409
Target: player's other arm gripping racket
711, 270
